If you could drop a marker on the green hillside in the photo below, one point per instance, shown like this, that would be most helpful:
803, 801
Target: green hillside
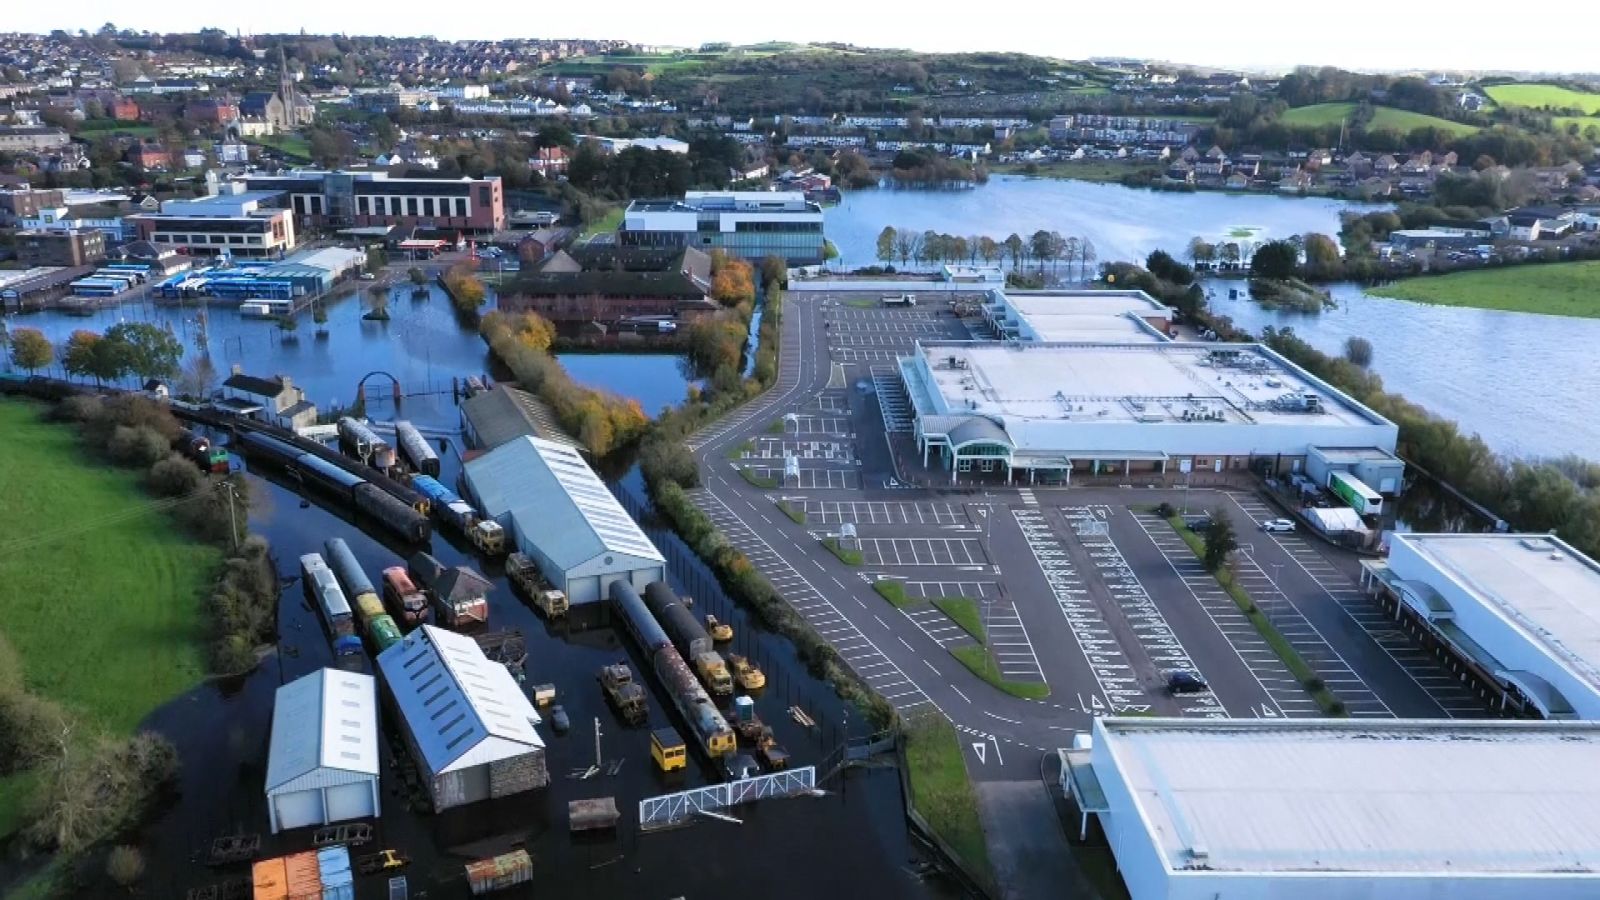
1383, 117
1540, 96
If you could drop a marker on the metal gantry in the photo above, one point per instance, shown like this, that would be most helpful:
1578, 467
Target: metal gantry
672, 809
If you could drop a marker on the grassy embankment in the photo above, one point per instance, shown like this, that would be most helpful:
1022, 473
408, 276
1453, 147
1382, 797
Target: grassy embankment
1098, 170
611, 221
1291, 658
941, 792
1553, 289
102, 596
1383, 117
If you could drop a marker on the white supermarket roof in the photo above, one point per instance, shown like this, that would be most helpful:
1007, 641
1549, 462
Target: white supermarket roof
324, 731
1360, 796
1132, 382
461, 709
1550, 591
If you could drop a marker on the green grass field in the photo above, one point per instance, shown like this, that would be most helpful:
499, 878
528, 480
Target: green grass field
1540, 96
1383, 117
105, 612
1583, 122
1552, 289
287, 144
1099, 170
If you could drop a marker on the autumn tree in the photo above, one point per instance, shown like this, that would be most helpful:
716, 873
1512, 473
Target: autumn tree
30, 349
886, 244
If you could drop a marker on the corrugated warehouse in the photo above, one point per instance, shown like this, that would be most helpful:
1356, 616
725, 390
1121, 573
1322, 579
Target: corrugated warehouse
466, 722
504, 413
322, 763
561, 514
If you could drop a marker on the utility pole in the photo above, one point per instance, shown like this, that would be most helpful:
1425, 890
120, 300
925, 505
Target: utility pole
597, 743
233, 520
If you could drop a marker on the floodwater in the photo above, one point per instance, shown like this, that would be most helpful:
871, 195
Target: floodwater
424, 346
1123, 223
853, 841
1527, 384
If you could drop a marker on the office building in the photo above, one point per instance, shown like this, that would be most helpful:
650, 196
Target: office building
748, 224
324, 199
77, 247
240, 224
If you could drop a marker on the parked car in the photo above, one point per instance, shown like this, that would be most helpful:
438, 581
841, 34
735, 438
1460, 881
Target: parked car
1197, 523
1277, 526
1185, 681
368, 276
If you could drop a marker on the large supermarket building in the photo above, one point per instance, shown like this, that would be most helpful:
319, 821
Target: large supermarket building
1048, 409
1335, 809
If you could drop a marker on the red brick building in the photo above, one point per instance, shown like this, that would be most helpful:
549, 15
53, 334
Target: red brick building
124, 110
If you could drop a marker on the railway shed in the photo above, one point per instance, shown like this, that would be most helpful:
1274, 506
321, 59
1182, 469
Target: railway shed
322, 763
562, 515
466, 722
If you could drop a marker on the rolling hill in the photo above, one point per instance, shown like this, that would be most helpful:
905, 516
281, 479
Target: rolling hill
1383, 117
1541, 96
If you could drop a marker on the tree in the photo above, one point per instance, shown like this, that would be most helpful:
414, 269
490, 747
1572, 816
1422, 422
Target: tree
1086, 257
1220, 540
1229, 254
1358, 350
988, 249
1014, 246
1322, 255
774, 271
907, 245
1042, 246
83, 355
886, 244
1275, 259
417, 276
1201, 251
30, 349
151, 351
198, 377
1166, 268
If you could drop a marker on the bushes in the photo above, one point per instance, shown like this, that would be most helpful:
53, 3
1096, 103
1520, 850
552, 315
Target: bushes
174, 476
137, 447
125, 865
100, 791
244, 606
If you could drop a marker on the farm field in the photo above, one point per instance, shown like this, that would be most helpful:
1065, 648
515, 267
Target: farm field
102, 598
1539, 96
1383, 117
1556, 289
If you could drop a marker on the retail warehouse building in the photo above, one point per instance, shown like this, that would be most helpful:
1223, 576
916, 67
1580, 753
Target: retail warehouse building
1026, 411
1338, 809
749, 224
1077, 315
1515, 615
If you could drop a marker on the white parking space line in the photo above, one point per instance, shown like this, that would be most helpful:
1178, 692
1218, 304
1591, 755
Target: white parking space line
921, 552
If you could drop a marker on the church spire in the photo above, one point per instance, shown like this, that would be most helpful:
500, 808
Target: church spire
285, 84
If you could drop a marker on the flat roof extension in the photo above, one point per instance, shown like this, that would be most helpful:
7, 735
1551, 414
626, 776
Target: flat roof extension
1539, 582
1451, 798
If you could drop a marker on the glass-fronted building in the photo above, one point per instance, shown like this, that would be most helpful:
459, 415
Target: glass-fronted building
748, 224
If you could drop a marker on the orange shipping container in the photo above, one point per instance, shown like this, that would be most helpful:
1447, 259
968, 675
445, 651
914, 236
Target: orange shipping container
305, 879
271, 881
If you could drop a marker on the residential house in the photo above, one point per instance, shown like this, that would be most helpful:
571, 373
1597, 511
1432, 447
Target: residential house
1359, 164
273, 400
211, 112
748, 172
32, 140
124, 110
1385, 165
549, 161
1182, 171
1374, 188
534, 246
1318, 158
1238, 181
1295, 182
149, 157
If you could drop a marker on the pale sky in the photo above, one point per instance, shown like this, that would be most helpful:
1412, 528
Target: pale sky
1543, 36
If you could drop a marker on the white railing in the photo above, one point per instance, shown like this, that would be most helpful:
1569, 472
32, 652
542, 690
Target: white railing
673, 809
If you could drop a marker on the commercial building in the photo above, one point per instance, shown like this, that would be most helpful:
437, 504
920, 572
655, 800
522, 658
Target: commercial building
360, 199
637, 286
322, 761
77, 247
240, 224
559, 512
749, 224
1515, 615
1077, 315
465, 721
1333, 809
1052, 409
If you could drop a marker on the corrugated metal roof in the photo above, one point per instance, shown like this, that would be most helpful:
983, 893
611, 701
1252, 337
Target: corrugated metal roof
557, 501
1448, 798
462, 710
324, 731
